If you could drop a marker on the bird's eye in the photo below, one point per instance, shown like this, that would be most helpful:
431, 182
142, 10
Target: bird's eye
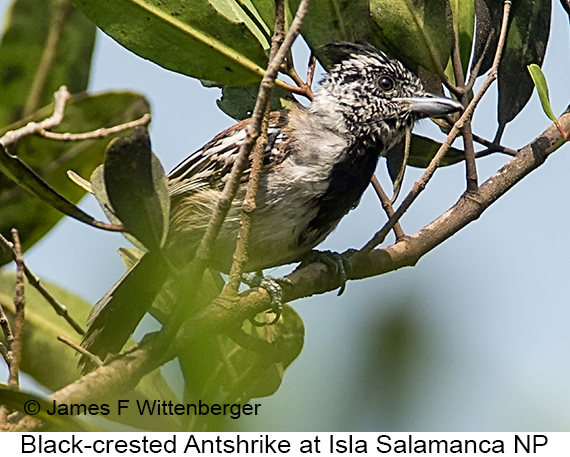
386, 83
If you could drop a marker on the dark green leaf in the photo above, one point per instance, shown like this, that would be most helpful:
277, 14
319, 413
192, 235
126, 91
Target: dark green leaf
396, 161
526, 44
542, 88
238, 102
212, 40
137, 189
418, 32
51, 160
45, 45
423, 149
25, 177
488, 13
265, 9
463, 27
130, 256
97, 182
339, 20
217, 369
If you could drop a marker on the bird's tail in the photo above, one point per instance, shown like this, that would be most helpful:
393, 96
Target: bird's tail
115, 317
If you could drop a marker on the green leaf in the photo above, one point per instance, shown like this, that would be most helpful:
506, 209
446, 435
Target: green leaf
51, 160
42, 352
488, 13
396, 161
423, 149
25, 177
239, 101
243, 11
45, 45
266, 9
329, 21
526, 44
542, 88
463, 28
137, 188
417, 32
218, 370
130, 256
211, 40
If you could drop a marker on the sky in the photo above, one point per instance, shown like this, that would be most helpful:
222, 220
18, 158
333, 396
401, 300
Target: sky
474, 337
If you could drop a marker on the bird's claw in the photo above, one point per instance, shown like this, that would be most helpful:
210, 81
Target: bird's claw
334, 261
274, 289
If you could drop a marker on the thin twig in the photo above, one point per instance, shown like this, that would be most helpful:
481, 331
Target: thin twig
289, 87
249, 204
231, 187
420, 184
387, 206
292, 73
81, 350
35, 282
19, 305
24, 176
466, 131
4, 352
95, 134
122, 373
492, 147
60, 97
311, 69
477, 67
8, 334
469, 149
58, 307
242, 161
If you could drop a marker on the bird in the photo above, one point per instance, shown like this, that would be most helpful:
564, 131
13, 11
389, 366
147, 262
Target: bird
318, 162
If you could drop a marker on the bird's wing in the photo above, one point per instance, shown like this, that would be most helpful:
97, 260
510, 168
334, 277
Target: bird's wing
210, 165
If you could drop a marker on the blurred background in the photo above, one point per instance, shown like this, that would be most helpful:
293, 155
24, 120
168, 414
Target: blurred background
475, 337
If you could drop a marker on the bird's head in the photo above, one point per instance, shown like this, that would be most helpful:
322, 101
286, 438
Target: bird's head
377, 96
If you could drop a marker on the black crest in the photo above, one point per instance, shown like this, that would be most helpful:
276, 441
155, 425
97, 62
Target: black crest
339, 52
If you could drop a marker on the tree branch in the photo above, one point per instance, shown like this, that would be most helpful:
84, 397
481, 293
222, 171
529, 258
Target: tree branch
19, 305
249, 204
95, 134
231, 187
387, 206
421, 183
123, 373
60, 98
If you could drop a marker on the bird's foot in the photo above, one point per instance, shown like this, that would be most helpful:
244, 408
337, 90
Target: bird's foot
337, 263
274, 289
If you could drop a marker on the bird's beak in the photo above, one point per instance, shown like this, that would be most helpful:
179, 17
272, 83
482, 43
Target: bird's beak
431, 105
